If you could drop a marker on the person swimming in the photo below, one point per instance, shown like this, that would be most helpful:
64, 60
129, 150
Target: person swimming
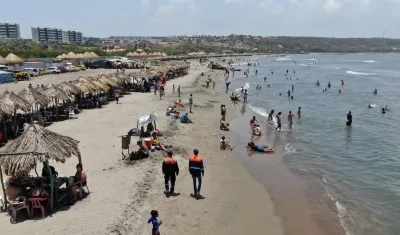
375, 91
292, 88
329, 84
340, 92
383, 110
265, 79
288, 93
370, 106
318, 83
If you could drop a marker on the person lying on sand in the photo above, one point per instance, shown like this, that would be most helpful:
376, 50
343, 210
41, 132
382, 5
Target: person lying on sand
258, 148
223, 125
224, 144
155, 141
179, 103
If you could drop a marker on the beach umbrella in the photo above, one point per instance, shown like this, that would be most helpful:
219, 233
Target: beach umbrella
33, 96
85, 86
2, 60
13, 59
37, 144
69, 87
55, 93
108, 80
16, 102
93, 55
70, 55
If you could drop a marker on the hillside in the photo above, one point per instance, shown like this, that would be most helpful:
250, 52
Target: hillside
214, 44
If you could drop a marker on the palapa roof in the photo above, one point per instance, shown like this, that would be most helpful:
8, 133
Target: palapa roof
35, 144
69, 87
13, 59
10, 101
85, 86
2, 60
93, 55
103, 86
32, 96
53, 91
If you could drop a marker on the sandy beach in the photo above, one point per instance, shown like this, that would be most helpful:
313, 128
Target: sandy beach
122, 195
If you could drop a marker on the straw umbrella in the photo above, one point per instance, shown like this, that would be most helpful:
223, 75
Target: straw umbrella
32, 96
94, 55
16, 102
70, 55
13, 59
85, 86
35, 144
56, 93
2, 60
69, 87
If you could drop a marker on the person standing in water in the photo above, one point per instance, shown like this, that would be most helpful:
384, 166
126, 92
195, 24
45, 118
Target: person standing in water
288, 93
329, 84
292, 88
299, 113
349, 119
340, 92
245, 96
265, 79
342, 83
278, 120
256, 72
290, 118
270, 116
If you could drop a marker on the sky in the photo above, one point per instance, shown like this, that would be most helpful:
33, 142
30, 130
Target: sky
100, 18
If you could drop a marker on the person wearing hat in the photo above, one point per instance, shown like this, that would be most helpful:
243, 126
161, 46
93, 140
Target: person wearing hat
196, 169
170, 170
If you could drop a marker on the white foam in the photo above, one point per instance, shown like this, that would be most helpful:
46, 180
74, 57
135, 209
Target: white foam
312, 59
289, 148
359, 73
369, 61
259, 111
305, 65
283, 59
246, 86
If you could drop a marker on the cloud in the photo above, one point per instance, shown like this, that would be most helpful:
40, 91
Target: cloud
270, 7
331, 5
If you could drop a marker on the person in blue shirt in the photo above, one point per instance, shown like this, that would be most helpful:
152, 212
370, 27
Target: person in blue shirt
185, 118
190, 103
154, 221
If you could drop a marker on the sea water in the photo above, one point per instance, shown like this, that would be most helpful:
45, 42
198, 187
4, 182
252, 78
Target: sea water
358, 167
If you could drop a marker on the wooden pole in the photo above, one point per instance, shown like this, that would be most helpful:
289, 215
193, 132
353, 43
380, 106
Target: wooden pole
4, 190
15, 122
5, 128
51, 185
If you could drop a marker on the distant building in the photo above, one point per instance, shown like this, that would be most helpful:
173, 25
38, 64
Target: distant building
46, 35
133, 39
9, 31
75, 37
91, 40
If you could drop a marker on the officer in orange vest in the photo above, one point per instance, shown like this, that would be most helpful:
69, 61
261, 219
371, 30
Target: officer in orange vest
196, 169
170, 170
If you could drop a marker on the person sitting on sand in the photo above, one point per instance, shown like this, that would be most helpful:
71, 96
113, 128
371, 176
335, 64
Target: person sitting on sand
223, 125
258, 148
223, 110
176, 111
224, 144
185, 118
75, 181
179, 102
143, 151
257, 130
156, 142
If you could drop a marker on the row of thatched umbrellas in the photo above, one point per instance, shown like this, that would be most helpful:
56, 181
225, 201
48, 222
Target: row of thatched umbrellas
71, 55
11, 59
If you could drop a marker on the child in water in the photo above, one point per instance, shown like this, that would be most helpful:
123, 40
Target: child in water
299, 112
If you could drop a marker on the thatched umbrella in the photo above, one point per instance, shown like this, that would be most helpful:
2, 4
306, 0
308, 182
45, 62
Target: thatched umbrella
2, 60
93, 55
100, 84
69, 87
16, 102
35, 144
32, 96
85, 86
70, 55
13, 59
56, 93
108, 80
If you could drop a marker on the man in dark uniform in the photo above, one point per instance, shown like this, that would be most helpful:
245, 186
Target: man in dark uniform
170, 170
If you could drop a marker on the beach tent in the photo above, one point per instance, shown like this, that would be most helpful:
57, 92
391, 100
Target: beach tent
148, 118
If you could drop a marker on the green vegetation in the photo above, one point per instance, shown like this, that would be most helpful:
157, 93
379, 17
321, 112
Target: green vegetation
213, 44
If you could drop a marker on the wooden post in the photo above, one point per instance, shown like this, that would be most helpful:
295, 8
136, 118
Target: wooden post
4, 190
5, 128
51, 185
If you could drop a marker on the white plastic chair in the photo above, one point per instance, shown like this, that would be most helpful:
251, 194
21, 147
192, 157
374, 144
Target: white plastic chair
71, 114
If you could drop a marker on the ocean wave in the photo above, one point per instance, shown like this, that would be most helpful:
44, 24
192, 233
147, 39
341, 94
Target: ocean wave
289, 148
359, 73
283, 59
305, 65
259, 111
341, 209
369, 61
312, 59
245, 87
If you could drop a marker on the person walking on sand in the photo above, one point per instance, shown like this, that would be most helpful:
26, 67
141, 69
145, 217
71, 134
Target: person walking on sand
179, 91
196, 169
190, 103
116, 94
170, 170
173, 88
154, 221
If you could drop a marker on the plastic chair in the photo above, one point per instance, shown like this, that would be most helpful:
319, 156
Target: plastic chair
36, 203
16, 206
71, 114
